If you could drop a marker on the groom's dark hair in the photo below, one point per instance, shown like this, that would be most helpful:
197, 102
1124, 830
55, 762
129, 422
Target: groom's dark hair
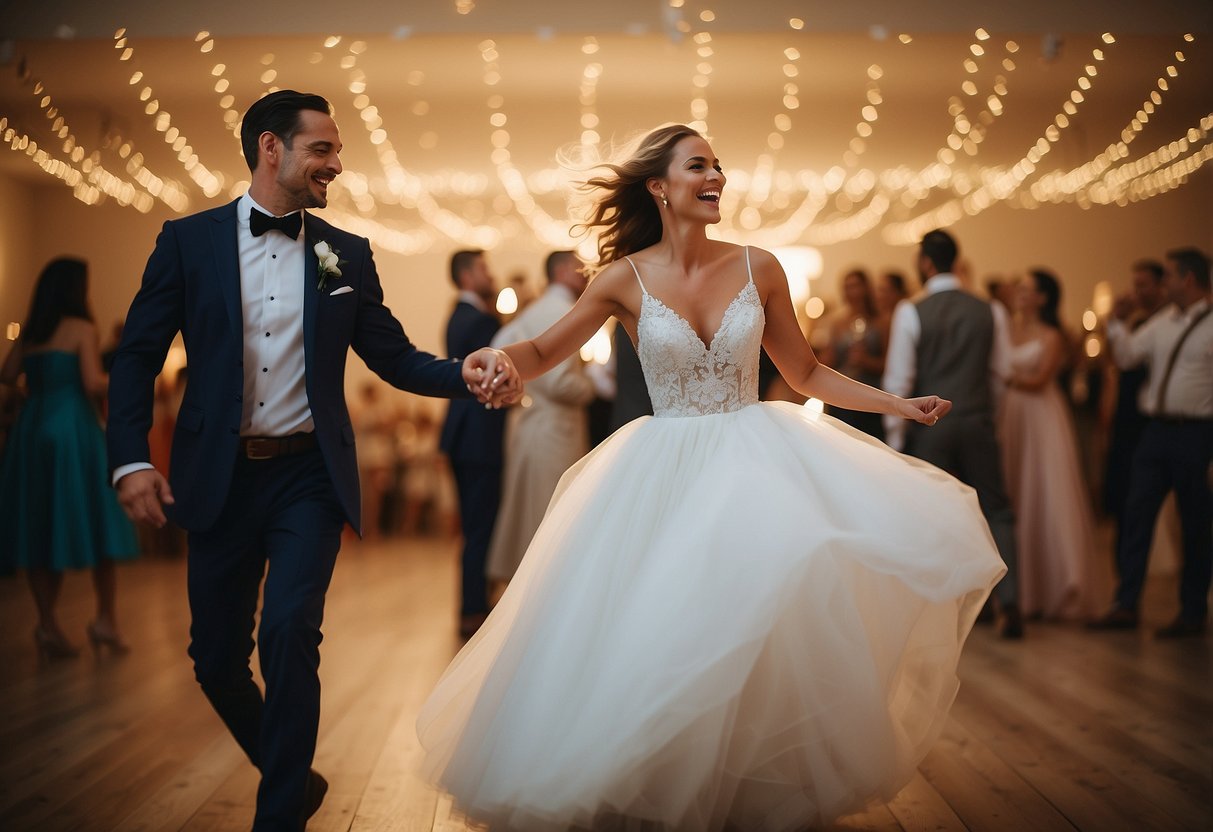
276, 113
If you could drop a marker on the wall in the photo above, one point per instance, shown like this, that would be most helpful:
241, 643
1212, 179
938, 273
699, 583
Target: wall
18, 262
1083, 247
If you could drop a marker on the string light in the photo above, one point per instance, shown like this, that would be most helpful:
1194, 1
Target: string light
768, 206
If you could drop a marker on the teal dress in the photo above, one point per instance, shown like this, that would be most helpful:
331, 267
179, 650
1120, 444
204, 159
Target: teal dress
57, 510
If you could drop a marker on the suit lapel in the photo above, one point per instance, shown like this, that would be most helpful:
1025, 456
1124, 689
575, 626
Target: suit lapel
227, 265
311, 295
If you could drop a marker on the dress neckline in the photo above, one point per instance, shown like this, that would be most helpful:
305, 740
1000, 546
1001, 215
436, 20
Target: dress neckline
710, 345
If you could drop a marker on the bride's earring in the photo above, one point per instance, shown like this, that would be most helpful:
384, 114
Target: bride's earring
665, 201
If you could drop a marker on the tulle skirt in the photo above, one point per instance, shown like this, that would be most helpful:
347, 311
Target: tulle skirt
749, 620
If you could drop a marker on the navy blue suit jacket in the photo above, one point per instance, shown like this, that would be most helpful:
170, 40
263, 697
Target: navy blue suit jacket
471, 433
192, 285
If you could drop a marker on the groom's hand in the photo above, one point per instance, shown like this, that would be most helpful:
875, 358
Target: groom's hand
141, 494
491, 377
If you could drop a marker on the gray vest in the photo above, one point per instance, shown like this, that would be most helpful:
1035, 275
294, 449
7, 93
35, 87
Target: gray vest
954, 351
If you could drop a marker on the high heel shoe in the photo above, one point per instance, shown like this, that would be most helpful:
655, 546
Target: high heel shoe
106, 637
53, 645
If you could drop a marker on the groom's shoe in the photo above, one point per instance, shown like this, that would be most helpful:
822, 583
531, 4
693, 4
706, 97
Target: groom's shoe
317, 786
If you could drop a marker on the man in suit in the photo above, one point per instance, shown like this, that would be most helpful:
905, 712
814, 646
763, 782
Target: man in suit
550, 430
472, 436
1176, 447
264, 470
956, 345
1127, 420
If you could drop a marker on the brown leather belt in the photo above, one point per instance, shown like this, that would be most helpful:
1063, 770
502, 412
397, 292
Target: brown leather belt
268, 447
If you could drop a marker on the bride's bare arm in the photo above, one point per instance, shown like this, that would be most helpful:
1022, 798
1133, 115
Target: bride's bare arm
798, 365
607, 295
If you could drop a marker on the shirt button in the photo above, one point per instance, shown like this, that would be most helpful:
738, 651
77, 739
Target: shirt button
271, 297
260, 404
267, 335
273, 256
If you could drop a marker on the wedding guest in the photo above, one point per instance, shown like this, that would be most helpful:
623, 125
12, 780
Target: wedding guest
1054, 526
856, 347
472, 436
1137, 306
57, 511
549, 431
374, 418
1176, 447
892, 287
950, 340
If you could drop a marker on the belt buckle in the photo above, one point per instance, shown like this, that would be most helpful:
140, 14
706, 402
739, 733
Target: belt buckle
251, 446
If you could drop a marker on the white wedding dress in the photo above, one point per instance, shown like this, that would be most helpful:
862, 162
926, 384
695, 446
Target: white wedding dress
735, 615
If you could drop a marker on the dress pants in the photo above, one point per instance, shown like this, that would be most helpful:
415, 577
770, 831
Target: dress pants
1173, 455
479, 488
281, 513
967, 448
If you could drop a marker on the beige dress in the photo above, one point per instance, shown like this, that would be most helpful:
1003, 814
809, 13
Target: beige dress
543, 437
1054, 523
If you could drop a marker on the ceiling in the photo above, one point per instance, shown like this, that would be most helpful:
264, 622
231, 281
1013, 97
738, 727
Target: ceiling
785, 106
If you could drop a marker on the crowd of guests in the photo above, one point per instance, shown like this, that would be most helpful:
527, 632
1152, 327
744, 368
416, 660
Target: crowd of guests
489, 474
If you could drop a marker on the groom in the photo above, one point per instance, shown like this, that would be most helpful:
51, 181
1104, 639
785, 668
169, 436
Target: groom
264, 470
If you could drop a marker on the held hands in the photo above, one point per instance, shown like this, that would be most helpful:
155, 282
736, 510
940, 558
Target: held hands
490, 375
141, 493
925, 409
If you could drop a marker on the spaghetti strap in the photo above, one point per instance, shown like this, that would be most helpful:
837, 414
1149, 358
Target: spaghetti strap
748, 271
638, 280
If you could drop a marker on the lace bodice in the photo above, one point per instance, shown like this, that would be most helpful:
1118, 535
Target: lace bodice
684, 376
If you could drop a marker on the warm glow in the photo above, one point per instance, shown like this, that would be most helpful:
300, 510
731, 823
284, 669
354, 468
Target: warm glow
1089, 320
13, 330
1102, 298
507, 301
598, 348
801, 264
1093, 347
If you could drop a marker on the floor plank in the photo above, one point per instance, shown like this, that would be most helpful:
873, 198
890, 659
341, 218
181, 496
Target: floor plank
1067, 730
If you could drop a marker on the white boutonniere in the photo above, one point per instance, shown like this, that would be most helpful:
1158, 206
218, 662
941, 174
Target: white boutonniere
327, 263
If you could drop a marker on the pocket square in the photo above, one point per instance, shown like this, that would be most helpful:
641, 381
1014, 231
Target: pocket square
341, 291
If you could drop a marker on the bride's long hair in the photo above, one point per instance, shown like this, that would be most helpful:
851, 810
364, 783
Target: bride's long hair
622, 207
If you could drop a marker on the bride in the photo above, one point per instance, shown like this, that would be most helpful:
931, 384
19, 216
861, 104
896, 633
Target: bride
735, 614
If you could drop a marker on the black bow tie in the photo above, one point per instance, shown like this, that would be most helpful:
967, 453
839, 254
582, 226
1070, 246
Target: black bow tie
289, 225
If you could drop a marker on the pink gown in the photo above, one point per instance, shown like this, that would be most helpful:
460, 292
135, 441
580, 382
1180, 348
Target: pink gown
1053, 517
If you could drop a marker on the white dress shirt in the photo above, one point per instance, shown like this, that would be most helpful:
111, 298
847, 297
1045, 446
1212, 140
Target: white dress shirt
901, 360
1189, 391
271, 293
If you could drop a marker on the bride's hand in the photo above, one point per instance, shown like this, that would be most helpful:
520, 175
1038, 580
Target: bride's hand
925, 409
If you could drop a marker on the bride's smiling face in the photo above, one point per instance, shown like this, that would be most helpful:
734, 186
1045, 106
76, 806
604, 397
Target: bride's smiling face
693, 183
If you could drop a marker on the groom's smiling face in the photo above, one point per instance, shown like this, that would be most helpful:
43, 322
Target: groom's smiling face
310, 162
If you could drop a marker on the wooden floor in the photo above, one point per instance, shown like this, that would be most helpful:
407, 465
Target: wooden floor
1068, 730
